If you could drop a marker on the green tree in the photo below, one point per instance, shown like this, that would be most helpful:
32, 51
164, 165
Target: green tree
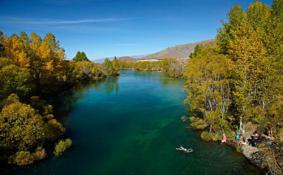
2, 44
111, 67
209, 88
80, 56
14, 79
236, 16
25, 39
84, 71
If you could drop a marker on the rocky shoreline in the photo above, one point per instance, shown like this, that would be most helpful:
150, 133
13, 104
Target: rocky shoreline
267, 155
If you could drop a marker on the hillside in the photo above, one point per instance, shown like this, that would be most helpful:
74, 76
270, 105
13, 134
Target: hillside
179, 51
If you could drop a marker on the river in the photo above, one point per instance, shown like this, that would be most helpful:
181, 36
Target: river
131, 125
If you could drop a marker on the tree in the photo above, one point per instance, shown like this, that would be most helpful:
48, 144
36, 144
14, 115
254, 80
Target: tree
1, 44
173, 67
34, 66
25, 39
254, 74
110, 67
258, 15
84, 71
21, 128
236, 16
80, 56
208, 86
14, 79
15, 49
241, 79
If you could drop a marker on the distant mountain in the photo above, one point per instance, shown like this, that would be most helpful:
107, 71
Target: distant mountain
179, 51
126, 58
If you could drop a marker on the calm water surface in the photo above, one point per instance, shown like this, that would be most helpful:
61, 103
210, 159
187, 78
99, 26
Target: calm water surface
130, 126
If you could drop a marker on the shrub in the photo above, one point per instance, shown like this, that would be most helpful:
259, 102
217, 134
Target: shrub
198, 123
39, 153
62, 146
22, 158
207, 136
56, 125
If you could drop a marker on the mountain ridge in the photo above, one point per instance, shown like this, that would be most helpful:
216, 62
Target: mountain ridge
181, 51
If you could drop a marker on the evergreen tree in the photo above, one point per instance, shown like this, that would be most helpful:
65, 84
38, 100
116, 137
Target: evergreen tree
80, 56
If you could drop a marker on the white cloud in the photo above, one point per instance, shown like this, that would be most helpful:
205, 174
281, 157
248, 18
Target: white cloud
17, 20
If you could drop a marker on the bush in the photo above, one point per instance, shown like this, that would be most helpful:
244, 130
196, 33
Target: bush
206, 136
62, 146
22, 158
198, 123
22, 127
56, 125
39, 153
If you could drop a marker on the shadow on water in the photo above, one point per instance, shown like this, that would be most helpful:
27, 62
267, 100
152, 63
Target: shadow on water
64, 102
130, 126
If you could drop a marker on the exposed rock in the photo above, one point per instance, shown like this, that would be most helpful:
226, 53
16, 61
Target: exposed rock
184, 118
249, 150
258, 158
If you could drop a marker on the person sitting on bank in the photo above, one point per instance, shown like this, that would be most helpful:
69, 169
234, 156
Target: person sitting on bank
224, 139
243, 141
253, 141
238, 137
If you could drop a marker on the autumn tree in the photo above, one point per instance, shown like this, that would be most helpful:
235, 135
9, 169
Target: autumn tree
14, 48
208, 85
20, 126
31, 65
251, 41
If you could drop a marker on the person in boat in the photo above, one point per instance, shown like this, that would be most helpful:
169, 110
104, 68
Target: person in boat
224, 139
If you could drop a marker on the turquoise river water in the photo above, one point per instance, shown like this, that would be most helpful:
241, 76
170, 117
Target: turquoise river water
131, 125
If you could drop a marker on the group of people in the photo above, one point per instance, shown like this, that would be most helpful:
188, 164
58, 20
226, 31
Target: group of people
253, 140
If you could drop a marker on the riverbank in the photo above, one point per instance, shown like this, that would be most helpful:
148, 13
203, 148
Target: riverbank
267, 155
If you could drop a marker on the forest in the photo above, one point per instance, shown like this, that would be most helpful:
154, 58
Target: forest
237, 82
32, 70
171, 67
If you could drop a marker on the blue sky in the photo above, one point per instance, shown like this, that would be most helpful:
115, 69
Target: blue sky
105, 28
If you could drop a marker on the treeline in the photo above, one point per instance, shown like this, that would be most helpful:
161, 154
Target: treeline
170, 66
31, 69
239, 80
